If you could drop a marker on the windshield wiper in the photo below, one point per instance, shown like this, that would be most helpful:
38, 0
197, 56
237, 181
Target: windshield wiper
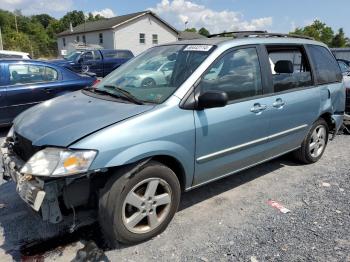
101, 91
126, 94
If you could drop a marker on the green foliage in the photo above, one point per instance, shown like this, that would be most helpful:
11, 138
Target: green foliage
321, 32
204, 31
339, 39
191, 30
37, 34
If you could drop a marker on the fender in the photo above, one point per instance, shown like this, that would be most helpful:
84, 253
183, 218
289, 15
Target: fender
158, 148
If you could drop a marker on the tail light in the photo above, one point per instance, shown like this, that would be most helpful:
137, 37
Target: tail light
95, 83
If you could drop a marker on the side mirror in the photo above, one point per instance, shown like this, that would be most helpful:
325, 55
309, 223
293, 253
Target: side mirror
79, 60
211, 99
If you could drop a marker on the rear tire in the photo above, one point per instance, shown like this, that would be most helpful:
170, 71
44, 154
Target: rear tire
314, 144
137, 208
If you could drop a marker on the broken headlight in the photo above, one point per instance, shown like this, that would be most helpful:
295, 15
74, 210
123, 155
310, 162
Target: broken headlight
56, 162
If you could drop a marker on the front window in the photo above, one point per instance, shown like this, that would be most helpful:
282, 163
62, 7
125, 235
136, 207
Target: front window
156, 74
72, 56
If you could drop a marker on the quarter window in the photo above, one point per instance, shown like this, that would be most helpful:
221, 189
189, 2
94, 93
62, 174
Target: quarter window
142, 38
25, 74
155, 39
290, 68
237, 73
326, 67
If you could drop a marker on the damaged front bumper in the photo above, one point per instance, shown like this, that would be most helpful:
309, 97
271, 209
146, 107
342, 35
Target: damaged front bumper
45, 196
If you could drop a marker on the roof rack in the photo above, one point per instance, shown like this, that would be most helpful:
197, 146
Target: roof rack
243, 34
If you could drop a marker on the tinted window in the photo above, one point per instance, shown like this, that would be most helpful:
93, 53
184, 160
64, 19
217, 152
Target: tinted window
326, 67
123, 54
290, 68
24, 74
237, 73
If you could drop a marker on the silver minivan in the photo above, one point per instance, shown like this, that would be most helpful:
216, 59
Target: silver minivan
128, 150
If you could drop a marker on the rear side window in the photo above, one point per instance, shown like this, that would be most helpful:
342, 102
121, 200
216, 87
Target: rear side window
123, 55
290, 67
237, 73
326, 67
25, 74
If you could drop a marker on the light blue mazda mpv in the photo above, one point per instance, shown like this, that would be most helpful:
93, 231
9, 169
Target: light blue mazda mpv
126, 151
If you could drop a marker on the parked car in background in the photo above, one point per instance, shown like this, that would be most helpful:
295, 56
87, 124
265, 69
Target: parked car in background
14, 54
347, 105
25, 83
152, 74
129, 152
347, 62
344, 67
99, 61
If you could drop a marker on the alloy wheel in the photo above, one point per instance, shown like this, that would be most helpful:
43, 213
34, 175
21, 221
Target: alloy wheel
147, 205
318, 141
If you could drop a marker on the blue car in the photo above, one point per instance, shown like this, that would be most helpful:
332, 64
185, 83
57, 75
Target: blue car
100, 61
25, 83
128, 151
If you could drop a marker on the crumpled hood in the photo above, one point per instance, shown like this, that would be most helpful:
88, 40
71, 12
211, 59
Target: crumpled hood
65, 119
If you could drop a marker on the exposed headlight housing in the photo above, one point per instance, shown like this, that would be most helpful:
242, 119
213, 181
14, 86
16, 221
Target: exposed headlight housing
57, 162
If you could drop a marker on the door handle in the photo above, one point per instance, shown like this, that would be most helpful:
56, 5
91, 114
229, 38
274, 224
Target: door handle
257, 108
279, 103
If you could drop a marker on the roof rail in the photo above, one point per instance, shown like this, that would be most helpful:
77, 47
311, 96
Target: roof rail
243, 34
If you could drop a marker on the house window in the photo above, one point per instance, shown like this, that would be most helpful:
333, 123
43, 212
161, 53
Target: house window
142, 39
100, 37
64, 41
78, 38
155, 39
84, 39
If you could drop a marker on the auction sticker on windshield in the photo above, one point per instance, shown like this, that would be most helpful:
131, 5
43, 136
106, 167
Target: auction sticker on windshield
198, 48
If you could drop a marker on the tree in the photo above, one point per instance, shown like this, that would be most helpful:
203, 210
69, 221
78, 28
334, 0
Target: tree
43, 19
339, 39
191, 30
204, 31
317, 30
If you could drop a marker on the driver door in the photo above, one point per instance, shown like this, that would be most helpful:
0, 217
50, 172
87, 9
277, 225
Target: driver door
233, 137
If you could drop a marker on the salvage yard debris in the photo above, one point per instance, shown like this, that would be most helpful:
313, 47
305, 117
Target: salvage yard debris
278, 206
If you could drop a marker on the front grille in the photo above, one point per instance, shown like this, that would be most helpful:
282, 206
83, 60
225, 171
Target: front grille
23, 147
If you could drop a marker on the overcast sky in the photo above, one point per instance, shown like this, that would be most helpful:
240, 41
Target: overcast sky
216, 15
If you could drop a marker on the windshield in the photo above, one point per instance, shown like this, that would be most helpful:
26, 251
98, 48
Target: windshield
155, 75
72, 56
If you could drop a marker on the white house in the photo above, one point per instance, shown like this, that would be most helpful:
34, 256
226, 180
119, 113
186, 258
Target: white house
136, 32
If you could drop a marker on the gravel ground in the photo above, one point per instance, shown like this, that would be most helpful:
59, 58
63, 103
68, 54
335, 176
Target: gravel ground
228, 220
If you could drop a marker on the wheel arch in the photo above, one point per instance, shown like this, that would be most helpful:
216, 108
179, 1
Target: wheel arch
329, 120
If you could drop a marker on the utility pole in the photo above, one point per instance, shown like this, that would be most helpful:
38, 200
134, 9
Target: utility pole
16, 23
1, 44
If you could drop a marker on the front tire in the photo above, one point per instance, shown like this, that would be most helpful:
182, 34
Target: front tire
137, 208
314, 144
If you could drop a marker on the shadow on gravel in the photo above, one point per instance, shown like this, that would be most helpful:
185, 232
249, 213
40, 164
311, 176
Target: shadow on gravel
225, 184
26, 237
